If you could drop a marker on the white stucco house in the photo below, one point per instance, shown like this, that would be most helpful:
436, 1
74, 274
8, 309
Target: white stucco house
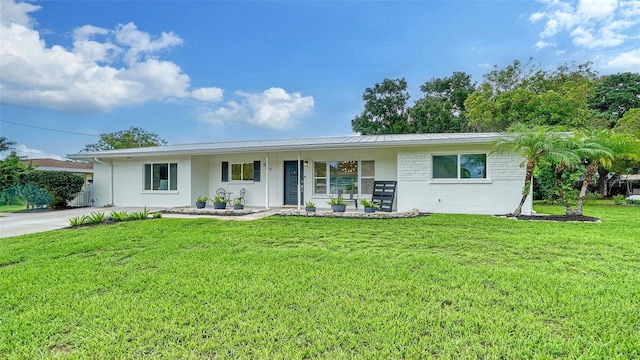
438, 173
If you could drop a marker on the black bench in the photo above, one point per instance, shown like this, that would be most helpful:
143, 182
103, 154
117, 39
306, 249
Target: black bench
384, 192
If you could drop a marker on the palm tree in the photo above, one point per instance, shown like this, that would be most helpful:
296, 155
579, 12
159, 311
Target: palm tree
600, 148
6, 144
566, 158
533, 144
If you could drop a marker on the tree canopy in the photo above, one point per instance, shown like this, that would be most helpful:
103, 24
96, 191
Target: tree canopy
6, 144
385, 109
526, 94
441, 109
615, 95
134, 137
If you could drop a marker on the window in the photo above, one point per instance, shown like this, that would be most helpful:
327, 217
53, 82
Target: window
161, 176
242, 172
249, 171
460, 166
346, 176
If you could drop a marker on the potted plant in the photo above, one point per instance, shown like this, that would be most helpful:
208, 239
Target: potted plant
310, 206
201, 202
369, 206
237, 205
219, 202
337, 204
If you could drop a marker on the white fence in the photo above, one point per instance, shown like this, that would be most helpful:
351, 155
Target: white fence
83, 198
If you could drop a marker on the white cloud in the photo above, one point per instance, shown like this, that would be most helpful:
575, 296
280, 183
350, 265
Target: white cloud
29, 153
211, 94
273, 108
543, 44
591, 24
104, 68
627, 61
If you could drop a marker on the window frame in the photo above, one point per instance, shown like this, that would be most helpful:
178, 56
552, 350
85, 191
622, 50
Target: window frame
242, 171
458, 178
172, 179
327, 177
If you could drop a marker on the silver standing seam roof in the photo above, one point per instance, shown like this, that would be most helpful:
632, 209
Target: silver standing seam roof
339, 142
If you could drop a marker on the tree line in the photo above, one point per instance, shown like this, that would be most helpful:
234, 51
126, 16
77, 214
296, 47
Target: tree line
571, 95
522, 97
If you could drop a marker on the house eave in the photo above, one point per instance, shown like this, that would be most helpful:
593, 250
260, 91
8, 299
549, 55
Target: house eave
353, 143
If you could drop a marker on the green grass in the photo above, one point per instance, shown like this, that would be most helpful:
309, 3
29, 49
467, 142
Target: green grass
11, 208
442, 286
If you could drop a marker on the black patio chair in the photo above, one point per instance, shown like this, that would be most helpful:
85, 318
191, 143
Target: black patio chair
241, 197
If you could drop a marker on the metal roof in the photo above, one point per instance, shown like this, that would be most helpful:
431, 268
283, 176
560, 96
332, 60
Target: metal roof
340, 142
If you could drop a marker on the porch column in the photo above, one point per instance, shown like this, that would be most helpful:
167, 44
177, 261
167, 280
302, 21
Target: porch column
266, 183
299, 185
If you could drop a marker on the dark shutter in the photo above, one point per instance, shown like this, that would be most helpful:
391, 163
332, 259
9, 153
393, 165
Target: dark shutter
256, 171
225, 171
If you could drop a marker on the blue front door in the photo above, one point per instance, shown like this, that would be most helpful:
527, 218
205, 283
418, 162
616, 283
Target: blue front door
291, 183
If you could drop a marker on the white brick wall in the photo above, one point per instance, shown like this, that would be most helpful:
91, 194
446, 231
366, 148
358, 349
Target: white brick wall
414, 166
506, 167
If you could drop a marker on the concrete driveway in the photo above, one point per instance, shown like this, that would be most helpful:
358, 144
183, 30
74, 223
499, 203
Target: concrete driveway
13, 224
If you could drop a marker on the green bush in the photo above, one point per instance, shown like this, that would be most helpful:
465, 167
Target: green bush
619, 200
33, 195
95, 217
61, 186
119, 215
77, 220
157, 215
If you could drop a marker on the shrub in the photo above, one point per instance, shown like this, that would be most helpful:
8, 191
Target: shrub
77, 220
61, 186
31, 194
139, 215
95, 217
619, 200
119, 215
157, 215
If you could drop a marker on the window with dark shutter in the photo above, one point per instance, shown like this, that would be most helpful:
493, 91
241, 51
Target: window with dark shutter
256, 171
225, 171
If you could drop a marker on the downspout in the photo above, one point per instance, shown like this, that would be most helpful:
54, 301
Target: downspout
266, 183
299, 185
111, 175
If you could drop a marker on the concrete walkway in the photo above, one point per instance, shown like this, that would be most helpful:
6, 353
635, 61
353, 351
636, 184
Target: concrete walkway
14, 224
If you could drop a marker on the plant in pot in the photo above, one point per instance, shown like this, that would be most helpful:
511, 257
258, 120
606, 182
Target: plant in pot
237, 205
201, 202
337, 204
310, 206
369, 206
219, 202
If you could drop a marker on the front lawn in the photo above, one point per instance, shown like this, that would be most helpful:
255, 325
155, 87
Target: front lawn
443, 286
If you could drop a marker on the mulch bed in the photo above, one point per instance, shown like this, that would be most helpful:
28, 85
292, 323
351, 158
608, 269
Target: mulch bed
576, 218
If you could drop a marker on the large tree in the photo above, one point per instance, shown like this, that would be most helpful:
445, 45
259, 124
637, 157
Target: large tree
441, 109
385, 109
526, 94
615, 95
134, 137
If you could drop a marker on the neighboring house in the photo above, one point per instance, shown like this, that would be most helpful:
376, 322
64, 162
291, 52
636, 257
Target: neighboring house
444, 173
84, 169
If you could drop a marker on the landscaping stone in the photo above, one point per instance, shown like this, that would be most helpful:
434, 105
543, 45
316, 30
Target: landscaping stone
353, 214
211, 211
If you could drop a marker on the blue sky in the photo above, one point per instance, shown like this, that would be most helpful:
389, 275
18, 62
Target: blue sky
200, 71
